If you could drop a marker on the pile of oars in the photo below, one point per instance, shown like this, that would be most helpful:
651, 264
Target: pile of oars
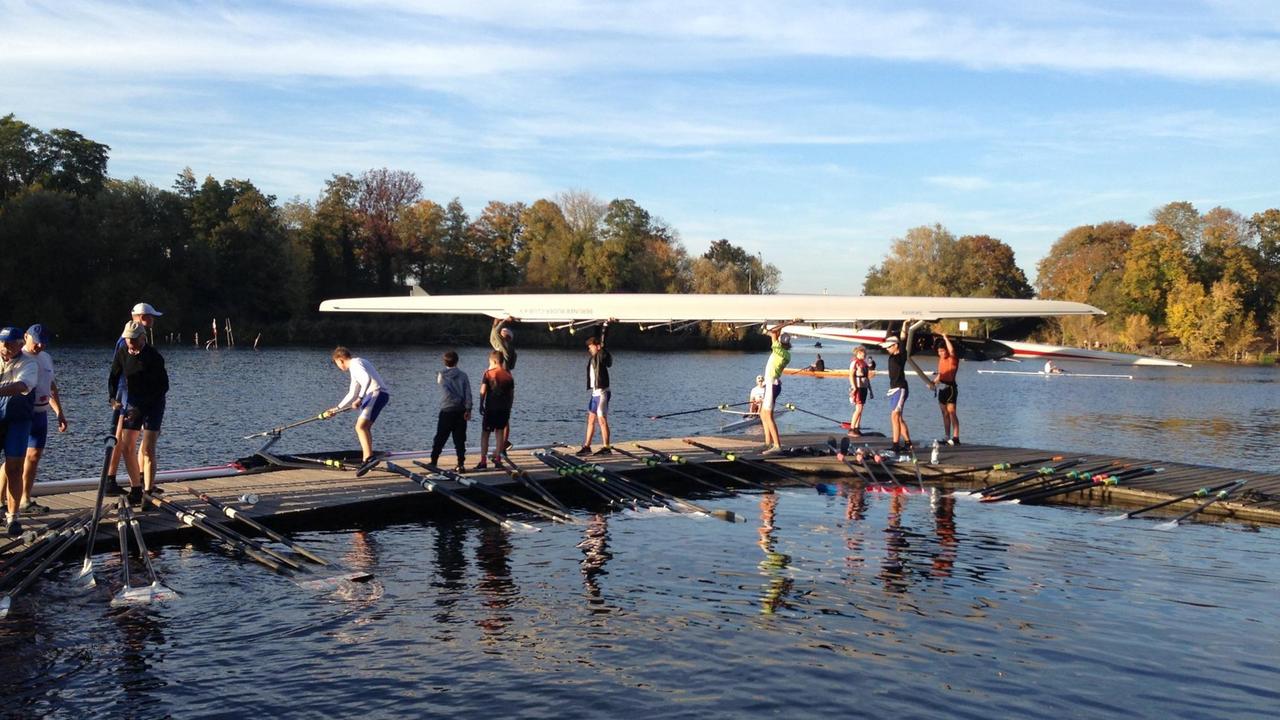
619, 491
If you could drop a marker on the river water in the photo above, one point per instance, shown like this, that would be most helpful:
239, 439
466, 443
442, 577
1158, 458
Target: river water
862, 604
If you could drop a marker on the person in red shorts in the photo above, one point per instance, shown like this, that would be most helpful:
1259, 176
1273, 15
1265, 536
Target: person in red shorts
497, 393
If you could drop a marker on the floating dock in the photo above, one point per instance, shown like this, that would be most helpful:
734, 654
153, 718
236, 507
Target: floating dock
318, 497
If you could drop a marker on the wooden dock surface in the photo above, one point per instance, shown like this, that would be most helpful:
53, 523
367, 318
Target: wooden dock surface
296, 497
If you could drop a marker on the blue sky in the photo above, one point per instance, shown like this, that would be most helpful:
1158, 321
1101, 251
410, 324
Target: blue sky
811, 132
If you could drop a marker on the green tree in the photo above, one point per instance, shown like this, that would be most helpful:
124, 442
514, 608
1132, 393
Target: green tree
495, 237
930, 261
550, 254
421, 228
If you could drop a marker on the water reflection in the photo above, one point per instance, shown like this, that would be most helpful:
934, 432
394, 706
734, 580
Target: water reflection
775, 564
944, 527
595, 554
496, 588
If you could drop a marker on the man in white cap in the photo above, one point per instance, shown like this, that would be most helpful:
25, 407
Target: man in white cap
46, 397
146, 381
144, 314
755, 398
18, 378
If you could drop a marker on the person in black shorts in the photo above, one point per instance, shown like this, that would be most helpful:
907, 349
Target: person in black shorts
146, 383
497, 393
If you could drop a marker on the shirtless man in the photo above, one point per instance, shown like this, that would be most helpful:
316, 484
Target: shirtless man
945, 384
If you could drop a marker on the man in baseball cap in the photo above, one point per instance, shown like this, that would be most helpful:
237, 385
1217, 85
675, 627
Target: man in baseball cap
143, 314
18, 378
46, 397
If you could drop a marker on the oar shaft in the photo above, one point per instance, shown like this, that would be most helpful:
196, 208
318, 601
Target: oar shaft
681, 460
234, 514
510, 498
678, 472
1223, 494
109, 445
432, 486
1200, 492
697, 410
220, 533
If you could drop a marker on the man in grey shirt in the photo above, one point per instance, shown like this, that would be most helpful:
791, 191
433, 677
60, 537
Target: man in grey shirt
455, 410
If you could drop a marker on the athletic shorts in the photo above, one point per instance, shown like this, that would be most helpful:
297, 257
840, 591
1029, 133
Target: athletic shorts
599, 405
13, 437
39, 431
947, 393
371, 405
492, 420
897, 399
771, 393
858, 396
143, 417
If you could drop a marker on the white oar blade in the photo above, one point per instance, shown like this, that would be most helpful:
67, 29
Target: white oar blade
1167, 525
86, 574
1114, 518
4, 607
143, 595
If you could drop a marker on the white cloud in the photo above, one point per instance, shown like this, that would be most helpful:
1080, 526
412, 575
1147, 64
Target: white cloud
964, 183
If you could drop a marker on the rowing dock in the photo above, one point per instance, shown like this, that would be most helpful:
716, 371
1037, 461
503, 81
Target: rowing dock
319, 497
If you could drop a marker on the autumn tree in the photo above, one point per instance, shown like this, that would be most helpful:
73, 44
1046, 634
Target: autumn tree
930, 261
495, 238
381, 197
1154, 263
550, 254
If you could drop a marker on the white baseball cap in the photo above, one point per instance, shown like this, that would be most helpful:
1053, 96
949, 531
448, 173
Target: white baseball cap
145, 309
891, 340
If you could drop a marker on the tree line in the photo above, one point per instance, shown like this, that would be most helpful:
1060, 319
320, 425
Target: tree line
1192, 284
82, 247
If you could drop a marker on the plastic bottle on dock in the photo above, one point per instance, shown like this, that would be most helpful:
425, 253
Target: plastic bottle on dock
933, 454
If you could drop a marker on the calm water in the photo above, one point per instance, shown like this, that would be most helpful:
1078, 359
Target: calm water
867, 605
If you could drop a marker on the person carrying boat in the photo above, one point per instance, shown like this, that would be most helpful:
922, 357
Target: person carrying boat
779, 357
455, 411
367, 392
502, 339
18, 379
756, 396
861, 370
497, 393
945, 385
898, 391
598, 364
145, 314
46, 397
141, 368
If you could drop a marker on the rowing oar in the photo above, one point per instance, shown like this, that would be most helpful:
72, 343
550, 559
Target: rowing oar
526, 504
45, 543
1047, 477
237, 515
294, 461
430, 485
596, 486
233, 540
698, 410
70, 537
682, 460
86, 567
842, 423
655, 462
665, 498
734, 457
1050, 482
997, 467
35, 542
1038, 472
841, 451
866, 452
155, 591
1193, 495
1221, 495
1085, 484
524, 478
277, 430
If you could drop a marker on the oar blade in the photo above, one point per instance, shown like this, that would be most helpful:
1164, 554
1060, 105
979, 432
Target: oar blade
5, 602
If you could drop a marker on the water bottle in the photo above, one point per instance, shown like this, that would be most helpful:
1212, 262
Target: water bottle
933, 455
249, 499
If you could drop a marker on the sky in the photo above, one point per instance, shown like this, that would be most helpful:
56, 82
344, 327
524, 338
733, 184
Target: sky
813, 133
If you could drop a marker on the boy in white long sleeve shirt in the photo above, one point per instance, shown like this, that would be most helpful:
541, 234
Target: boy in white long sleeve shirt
368, 393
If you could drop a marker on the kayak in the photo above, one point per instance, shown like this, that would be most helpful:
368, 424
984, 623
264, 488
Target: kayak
1042, 373
815, 373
